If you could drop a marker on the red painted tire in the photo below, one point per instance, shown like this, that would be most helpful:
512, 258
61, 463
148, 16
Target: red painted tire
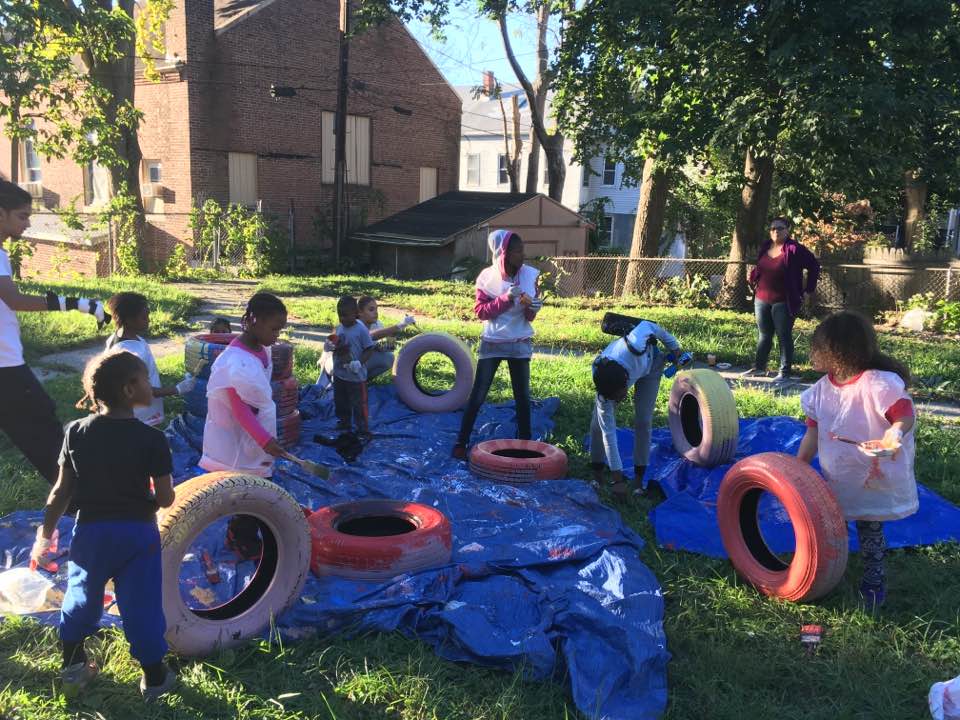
288, 429
820, 558
518, 461
286, 395
200, 351
405, 365
282, 355
378, 539
703, 418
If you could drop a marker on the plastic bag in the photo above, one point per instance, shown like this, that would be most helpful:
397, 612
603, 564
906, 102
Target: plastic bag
944, 700
23, 591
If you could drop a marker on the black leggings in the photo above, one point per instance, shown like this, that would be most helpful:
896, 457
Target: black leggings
29, 418
519, 378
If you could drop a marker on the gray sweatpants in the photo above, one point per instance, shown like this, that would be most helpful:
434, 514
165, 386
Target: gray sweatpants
378, 363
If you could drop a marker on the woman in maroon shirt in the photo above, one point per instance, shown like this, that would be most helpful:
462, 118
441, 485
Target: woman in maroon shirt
779, 286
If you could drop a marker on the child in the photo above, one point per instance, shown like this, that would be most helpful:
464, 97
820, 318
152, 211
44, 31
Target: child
220, 326
633, 360
27, 414
507, 301
382, 358
131, 314
241, 427
862, 397
107, 464
352, 348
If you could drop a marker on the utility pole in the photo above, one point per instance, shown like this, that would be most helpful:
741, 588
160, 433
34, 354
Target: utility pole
340, 127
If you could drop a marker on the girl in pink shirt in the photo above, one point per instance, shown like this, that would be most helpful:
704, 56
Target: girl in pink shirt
862, 397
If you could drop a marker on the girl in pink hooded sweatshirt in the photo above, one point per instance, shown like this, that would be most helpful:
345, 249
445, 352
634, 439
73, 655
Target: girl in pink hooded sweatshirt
507, 301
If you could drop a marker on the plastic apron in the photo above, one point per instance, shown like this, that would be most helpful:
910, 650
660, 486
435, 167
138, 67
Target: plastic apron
226, 445
866, 488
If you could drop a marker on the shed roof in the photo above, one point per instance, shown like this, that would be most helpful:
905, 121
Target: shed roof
436, 221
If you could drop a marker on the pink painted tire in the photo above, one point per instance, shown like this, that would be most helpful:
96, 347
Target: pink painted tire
282, 355
378, 539
518, 461
820, 558
404, 373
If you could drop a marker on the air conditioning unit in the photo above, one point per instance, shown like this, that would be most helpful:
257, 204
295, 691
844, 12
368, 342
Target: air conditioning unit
34, 188
151, 190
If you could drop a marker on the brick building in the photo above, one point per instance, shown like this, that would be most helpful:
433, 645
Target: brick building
212, 130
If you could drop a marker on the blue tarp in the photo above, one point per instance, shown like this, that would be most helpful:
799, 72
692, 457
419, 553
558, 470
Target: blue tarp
687, 519
543, 578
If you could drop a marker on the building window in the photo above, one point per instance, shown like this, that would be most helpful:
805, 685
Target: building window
96, 181
357, 150
609, 172
473, 169
32, 159
503, 177
605, 231
152, 171
586, 175
242, 174
428, 183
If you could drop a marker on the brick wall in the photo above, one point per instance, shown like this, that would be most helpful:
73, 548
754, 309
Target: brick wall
57, 261
220, 102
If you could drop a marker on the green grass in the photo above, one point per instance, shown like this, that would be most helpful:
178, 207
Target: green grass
735, 653
44, 333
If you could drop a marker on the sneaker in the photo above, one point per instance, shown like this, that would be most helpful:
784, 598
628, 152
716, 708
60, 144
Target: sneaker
753, 372
782, 378
77, 676
152, 692
459, 452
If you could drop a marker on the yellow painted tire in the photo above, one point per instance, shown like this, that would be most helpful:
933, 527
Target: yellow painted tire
703, 418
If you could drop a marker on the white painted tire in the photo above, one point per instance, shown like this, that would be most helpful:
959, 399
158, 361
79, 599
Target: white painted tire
279, 578
405, 365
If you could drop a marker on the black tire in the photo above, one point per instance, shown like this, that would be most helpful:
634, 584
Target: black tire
703, 418
405, 365
279, 578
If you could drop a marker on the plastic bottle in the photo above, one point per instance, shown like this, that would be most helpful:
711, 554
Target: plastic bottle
676, 363
23, 591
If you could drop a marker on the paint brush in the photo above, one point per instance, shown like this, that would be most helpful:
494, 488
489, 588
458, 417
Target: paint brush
310, 466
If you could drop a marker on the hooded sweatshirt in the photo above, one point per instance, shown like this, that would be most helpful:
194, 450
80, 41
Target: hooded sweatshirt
505, 320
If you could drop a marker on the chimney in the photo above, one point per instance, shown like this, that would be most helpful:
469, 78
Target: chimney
489, 82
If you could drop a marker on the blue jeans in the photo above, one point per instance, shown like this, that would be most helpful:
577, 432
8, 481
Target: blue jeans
773, 318
128, 552
519, 379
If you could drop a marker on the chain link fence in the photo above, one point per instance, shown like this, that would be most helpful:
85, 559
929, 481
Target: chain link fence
715, 282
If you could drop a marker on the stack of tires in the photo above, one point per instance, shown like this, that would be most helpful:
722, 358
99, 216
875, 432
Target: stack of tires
198, 355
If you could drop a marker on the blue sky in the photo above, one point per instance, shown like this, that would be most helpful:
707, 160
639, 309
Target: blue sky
473, 45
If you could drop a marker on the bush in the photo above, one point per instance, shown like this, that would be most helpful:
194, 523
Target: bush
253, 241
682, 291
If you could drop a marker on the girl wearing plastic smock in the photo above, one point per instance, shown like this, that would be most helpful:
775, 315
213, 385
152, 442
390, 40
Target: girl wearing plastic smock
241, 429
507, 300
859, 421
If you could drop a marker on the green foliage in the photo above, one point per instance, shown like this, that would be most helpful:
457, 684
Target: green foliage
595, 212
176, 265
122, 213
255, 241
944, 315
703, 202
18, 251
689, 291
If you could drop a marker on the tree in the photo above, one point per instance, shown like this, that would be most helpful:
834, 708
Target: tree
810, 86
512, 157
44, 95
540, 87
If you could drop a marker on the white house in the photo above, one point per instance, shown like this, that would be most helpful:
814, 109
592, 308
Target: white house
483, 163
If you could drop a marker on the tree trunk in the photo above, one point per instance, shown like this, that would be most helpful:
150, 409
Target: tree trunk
915, 201
517, 147
540, 91
751, 219
511, 168
14, 160
648, 226
552, 144
118, 78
